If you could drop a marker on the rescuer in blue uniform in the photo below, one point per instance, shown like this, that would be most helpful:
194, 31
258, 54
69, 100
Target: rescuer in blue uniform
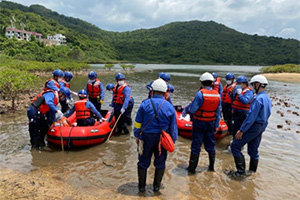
95, 90
206, 108
217, 85
53, 83
120, 103
252, 128
241, 99
68, 76
147, 130
226, 100
166, 77
84, 108
42, 112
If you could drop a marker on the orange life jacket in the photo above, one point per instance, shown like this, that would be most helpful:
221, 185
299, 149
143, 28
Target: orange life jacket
207, 112
55, 83
216, 84
94, 89
67, 84
82, 112
237, 104
225, 94
118, 94
39, 101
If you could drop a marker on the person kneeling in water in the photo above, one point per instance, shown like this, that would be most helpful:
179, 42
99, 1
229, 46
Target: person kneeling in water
83, 108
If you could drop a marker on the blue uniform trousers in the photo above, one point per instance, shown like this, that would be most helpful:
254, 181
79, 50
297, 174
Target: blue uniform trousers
227, 115
64, 106
96, 103
238, 119
128, 112
203, 132
253, 137
122, 121
39, 125
151, 142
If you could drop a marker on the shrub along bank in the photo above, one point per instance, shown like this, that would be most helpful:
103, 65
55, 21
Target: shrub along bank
288, 68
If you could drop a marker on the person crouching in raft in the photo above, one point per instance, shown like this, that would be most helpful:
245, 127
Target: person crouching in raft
83, 108
147, 133
252, 128
206, 109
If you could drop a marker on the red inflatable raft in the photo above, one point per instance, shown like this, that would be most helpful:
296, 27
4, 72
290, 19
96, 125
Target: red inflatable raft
185, 125
81, 135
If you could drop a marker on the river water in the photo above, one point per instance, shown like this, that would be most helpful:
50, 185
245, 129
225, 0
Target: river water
112, 165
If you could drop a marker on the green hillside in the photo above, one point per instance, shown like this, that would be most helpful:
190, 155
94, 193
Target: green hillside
193, 42
37, 18
205, 43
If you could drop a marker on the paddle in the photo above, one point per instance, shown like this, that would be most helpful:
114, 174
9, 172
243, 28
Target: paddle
114, 127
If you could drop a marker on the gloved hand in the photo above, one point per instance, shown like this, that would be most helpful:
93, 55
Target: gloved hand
58, 115
101, 102
122, 110
239, 90
111, 109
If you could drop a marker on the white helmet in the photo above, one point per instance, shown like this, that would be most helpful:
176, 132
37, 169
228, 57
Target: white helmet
159, 85
260, 79
206, 77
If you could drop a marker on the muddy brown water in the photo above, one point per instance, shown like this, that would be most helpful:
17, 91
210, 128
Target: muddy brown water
112, 165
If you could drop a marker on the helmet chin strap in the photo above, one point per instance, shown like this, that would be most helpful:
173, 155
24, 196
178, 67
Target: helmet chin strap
256, 90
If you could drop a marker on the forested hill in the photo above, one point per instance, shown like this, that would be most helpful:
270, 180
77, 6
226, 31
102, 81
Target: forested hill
193, 42
206, 43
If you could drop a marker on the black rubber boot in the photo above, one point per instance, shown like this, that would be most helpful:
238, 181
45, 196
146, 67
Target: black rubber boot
126, 131
193, 163
253, 165
211, 157
240, 166
142, 174
157, 179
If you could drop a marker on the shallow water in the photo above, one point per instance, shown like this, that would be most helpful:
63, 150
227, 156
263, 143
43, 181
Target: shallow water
112, 165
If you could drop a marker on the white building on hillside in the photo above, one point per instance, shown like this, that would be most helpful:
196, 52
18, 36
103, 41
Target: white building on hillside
59, 38
12, 32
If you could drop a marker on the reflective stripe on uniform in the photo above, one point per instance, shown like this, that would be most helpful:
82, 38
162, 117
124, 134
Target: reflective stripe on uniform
137, 125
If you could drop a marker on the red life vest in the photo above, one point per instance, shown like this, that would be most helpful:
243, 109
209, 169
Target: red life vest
118, 94
55, 83
225, 94
216, 84
237, 104
82, 112
207, 112
94, 89
67, 84
39, 101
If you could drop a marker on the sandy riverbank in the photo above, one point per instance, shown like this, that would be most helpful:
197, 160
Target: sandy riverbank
284, 77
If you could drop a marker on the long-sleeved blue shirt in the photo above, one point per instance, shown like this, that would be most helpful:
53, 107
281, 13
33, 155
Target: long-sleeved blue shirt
51, 85
243, 98
102, 91
88, 105
62, 84
197, 103
145, 118
260, 111
49, 99
126, 91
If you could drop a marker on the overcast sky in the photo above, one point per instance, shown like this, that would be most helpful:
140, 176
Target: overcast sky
280, 18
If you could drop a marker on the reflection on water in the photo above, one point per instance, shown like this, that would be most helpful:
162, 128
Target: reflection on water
112, 165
